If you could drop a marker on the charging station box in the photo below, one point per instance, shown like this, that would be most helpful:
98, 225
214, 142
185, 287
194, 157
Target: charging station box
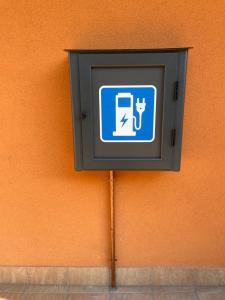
128, 108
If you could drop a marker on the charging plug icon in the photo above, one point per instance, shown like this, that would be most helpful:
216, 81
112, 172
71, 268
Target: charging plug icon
140, 108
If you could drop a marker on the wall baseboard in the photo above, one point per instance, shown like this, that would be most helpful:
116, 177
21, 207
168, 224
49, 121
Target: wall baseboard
100, 276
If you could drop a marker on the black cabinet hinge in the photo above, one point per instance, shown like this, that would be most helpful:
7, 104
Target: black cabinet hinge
173, 137
176, 90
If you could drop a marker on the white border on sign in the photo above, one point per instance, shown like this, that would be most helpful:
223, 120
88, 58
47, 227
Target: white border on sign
100, 113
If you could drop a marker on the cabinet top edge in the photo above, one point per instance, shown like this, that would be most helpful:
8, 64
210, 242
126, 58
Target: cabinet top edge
108, 51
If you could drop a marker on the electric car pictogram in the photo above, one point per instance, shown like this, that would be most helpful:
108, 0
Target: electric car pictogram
127, 113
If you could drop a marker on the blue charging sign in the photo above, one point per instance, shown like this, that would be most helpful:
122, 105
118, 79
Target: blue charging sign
127, 113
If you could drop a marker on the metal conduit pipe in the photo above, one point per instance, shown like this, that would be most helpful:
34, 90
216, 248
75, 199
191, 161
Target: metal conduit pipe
112, 230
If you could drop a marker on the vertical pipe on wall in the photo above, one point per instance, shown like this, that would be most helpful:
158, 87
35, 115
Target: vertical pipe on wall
112, 230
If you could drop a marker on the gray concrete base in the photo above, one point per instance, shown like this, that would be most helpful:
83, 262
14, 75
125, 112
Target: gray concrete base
100, 276
65, 292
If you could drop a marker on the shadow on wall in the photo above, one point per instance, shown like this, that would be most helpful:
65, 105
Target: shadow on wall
56, 123
141, 34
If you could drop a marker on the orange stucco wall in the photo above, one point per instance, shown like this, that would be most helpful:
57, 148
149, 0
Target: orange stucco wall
52, 215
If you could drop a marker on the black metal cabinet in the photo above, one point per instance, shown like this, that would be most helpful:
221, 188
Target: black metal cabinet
106, 85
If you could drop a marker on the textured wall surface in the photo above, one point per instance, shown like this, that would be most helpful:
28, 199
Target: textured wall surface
52, 215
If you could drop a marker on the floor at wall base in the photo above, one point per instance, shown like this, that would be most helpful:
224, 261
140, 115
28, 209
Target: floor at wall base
100, 276
62, 292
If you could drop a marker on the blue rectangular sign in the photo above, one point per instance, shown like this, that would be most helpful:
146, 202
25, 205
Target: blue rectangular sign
127, 113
